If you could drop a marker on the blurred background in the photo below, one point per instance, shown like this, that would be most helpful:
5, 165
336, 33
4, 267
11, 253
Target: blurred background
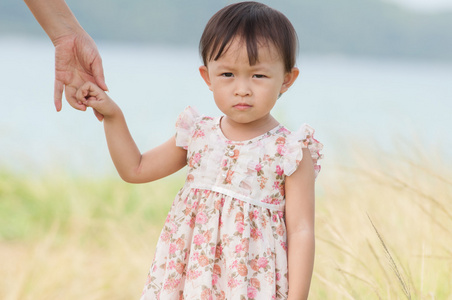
375, 83
375, 70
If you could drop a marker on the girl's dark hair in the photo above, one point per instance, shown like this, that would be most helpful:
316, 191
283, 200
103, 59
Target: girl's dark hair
256, 24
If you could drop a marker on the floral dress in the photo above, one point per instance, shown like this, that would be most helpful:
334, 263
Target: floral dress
225, 235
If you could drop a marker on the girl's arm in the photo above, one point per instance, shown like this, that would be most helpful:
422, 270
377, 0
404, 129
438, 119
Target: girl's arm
300, 206
131, 165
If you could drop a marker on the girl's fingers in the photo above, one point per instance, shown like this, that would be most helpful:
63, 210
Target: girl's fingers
92, 89
80, 94
90, 101
91, 96
85, 91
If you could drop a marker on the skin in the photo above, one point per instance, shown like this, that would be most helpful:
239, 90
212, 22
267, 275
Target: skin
77, 59
132, 166
245, 94
300, 213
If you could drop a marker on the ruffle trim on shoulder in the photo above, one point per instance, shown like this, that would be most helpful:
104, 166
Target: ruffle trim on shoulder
184, 126
296, 141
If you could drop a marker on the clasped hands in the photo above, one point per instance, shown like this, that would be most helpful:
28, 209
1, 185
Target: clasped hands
77, 61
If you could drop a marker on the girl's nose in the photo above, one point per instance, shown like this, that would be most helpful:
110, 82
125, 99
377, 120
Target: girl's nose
242, 89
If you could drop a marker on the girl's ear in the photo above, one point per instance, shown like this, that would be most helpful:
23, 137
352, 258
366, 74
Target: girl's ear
205, 75
289, 79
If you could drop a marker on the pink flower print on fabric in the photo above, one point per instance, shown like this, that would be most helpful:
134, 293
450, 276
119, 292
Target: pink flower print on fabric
233, 282
171, 265
230, 207
214, 279
195, 256
224, 163
252, 292
255, 214
284, 245
171, 284
180, 244
262, 262
191, 222
242, 269
206, 295
198, 133
194, 160
256, 233
279, 170
240, 226
201, 218
172, 248
208, 236
199, 239
193, 274
258, 168
203, 260
254, 265
165, 236
262, 182
228, 179
255, 283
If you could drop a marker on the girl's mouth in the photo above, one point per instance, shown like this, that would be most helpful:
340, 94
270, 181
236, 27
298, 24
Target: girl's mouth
242, 106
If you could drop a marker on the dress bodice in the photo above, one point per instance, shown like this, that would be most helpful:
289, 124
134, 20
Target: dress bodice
254, 170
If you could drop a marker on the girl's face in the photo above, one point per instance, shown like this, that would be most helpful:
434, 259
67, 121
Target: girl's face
244, 93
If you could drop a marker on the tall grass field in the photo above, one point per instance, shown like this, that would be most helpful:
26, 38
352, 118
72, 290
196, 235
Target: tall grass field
383, 230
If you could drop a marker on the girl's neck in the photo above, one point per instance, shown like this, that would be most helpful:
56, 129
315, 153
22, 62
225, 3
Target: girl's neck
235, 131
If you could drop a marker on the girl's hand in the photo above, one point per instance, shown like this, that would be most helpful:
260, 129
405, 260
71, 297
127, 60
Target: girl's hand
90, 95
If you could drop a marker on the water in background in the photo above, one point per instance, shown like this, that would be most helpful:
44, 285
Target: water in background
347, 100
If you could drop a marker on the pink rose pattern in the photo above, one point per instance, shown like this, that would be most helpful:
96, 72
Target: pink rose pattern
217, 244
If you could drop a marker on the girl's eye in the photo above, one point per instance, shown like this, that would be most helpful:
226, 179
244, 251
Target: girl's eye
259, 76
227, 75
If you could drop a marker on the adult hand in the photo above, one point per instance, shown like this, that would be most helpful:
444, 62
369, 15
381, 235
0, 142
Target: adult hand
76, 57
77, 61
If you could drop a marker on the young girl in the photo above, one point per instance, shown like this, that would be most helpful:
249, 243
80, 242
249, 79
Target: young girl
244, 219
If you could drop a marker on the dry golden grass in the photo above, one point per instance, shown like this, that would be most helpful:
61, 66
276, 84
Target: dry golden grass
74, 238
384, 231
384, 227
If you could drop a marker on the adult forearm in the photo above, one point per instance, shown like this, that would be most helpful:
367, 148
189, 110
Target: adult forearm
54, 16
301, 249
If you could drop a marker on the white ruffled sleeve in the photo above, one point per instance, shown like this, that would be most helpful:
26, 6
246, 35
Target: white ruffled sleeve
303, 138
185, 125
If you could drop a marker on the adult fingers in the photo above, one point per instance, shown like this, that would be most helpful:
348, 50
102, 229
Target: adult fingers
98, 73
58, 94
71, 98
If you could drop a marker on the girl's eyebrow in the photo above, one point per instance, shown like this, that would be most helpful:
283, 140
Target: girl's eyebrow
264, 68
223, 65
261, 67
